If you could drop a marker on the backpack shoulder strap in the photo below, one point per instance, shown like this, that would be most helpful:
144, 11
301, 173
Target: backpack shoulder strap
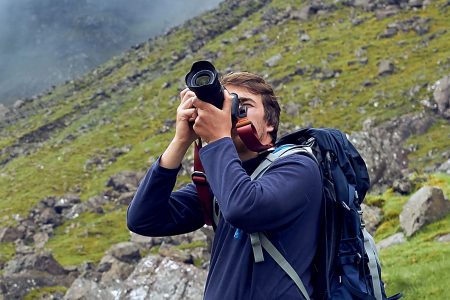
283, 151
283, 263
260, 240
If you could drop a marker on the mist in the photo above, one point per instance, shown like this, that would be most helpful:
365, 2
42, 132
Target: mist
46, 42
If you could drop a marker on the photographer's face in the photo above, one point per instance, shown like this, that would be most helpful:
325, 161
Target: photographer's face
255, 114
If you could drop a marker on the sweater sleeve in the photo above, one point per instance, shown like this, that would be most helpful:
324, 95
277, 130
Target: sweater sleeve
265, 204
157, 211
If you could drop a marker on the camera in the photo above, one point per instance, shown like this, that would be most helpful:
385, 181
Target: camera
203, 80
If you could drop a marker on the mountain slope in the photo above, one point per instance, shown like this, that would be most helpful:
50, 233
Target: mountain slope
325, 60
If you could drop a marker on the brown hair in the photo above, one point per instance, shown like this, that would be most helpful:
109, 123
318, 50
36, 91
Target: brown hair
258, 86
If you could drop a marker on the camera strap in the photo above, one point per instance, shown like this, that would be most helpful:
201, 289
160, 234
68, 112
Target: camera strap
249, 136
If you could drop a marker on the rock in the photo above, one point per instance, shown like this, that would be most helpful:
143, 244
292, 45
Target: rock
10, 234
273, 61
127, 252
144, 241
441, 96
371, 216
176, 254
18, 104
305, 38
381, 148
18, 286
66, 202
395, 239
385, 67
3, 111
445, 167
41, 262
84, 289
292, 108
443, 238
40, 239
402, 186
425, 206
388, 33
126, 198
124, 181
113, 269
156, 278
415, 3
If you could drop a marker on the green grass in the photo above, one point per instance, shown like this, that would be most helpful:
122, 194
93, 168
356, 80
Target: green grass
419, 267
7, 252
88, 237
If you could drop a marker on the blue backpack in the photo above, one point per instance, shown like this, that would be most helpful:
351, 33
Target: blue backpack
346, 265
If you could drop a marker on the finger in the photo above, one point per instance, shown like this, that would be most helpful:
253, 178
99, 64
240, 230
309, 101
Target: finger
187, 103
188, 94
187, 114
203, 105
183, 93
227, 102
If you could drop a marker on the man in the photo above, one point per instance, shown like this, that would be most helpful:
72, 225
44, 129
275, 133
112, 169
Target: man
284, 203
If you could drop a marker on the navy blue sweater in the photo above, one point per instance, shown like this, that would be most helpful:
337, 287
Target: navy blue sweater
284, 203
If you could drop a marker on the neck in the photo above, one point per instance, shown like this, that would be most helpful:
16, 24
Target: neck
246, 155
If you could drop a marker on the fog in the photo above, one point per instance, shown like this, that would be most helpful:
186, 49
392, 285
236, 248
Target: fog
46, 42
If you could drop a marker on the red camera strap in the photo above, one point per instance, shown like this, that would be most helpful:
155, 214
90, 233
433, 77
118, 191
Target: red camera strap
201, 184
247, 133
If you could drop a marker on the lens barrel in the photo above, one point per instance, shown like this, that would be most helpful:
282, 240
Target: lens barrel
203, 80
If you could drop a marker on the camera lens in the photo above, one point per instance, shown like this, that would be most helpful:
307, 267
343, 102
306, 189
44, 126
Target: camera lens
203, 80
203, 77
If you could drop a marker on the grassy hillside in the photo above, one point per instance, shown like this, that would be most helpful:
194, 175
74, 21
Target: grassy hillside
132, 99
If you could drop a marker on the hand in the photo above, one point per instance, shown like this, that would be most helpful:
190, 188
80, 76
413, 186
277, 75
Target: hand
212, 123
186, 114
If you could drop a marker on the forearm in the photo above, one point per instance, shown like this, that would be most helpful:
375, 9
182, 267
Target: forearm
157, 211
174, 154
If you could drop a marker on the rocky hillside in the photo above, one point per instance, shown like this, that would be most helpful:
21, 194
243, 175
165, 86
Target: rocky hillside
71, 158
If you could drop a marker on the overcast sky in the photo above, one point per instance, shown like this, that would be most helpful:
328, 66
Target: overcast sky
45, 42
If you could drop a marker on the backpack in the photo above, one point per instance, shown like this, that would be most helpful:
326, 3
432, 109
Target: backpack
346, 264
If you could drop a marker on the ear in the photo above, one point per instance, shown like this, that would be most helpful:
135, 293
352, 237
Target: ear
269, 128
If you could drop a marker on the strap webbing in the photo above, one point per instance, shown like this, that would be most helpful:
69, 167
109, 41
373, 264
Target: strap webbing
259, 240
283, 263
256, 245
202, 186
371, 251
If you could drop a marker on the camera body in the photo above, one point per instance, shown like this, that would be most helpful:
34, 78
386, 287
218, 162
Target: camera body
203, 80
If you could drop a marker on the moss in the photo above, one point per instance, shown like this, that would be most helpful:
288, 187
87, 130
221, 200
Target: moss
193, 245
7, 252
45, 292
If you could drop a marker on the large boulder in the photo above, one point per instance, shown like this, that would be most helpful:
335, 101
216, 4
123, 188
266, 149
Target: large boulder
153, 277
40, 262
157, 278
382, 147
441, 96
424, 207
